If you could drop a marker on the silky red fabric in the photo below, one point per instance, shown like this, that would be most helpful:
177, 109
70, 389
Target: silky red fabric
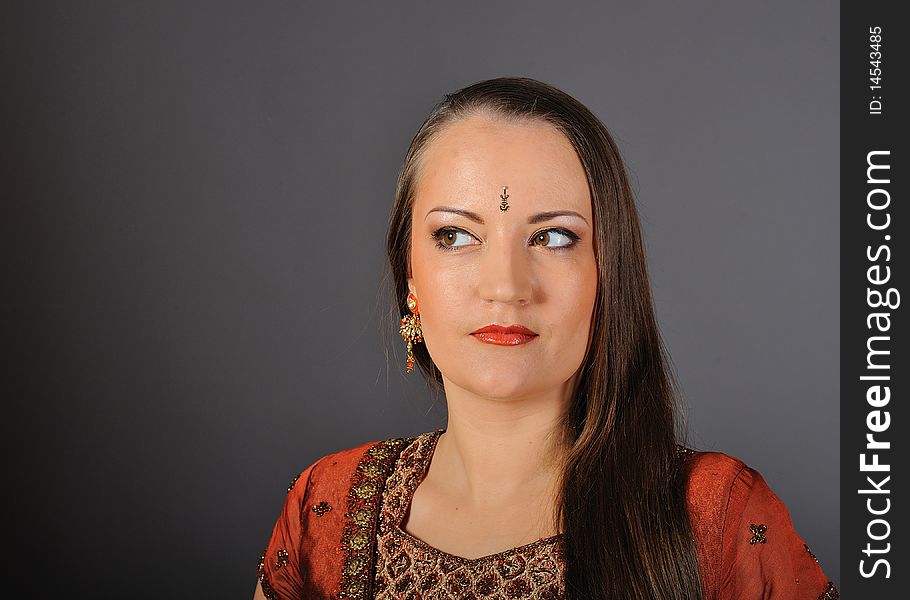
731, 510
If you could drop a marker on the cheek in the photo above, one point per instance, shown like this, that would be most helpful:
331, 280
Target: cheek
445, 295
441, 289
574, 297
443, 311
575, 286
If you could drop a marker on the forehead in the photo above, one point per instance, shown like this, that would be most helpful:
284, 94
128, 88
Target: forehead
472, 159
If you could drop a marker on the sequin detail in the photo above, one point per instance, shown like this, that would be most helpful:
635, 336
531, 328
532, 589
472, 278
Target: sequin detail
407, 567
806, 546
293, 481
682, 452
321, 508
758, 533
264, 582
281, 559
830, 592
359, 533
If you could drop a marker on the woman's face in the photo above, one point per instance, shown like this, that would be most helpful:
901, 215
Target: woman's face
526, 265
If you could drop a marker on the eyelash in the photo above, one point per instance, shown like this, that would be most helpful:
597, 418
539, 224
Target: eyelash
437, 235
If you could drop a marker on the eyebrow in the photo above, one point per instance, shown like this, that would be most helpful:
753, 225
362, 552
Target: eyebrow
534, 219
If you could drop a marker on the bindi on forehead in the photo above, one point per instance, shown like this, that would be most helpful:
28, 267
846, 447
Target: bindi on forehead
504, 205
463, 159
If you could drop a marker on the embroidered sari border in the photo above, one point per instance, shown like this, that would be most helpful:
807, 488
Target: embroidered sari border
359, 530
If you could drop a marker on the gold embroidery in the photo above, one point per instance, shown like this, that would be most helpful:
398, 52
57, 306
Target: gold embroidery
360, 540
359, 528
355, 565
758, 533
379, 452
371, 470
362, 517
321, 508
407, 567
355, 589
830, 592
366, 490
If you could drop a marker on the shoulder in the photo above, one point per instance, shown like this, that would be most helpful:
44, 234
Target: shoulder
316, 515
719, 484
745, 537
710, 481
709, 478
338, 469
341, 460
710, 473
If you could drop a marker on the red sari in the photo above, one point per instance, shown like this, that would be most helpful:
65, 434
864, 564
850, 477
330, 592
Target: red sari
324, 542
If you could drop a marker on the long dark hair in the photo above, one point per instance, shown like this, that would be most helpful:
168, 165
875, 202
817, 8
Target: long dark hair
622, 502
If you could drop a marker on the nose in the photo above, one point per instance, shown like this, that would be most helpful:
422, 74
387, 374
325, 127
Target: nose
505, 273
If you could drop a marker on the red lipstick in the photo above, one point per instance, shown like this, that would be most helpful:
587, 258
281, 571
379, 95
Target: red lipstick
513, 335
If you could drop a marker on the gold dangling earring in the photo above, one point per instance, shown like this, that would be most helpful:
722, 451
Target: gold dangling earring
410, 329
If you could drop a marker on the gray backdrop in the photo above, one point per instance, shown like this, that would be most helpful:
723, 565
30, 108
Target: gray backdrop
195, 198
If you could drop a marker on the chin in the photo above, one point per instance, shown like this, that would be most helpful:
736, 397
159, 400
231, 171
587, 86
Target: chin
502, 383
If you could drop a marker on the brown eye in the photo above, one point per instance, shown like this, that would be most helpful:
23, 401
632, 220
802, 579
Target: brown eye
543, 236
563, 238
447, 236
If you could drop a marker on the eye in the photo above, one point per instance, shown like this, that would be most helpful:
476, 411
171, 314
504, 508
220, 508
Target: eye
447, 236
564, 239
554, 239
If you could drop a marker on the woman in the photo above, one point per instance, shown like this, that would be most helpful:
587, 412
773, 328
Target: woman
518, 263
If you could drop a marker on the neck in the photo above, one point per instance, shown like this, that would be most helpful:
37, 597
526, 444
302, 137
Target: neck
495, 450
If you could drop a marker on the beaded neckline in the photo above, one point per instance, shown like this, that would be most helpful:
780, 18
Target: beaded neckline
425, 446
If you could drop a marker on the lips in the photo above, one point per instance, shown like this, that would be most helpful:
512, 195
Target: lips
513, 335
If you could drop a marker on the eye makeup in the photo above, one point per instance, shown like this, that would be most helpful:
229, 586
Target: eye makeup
450, 230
